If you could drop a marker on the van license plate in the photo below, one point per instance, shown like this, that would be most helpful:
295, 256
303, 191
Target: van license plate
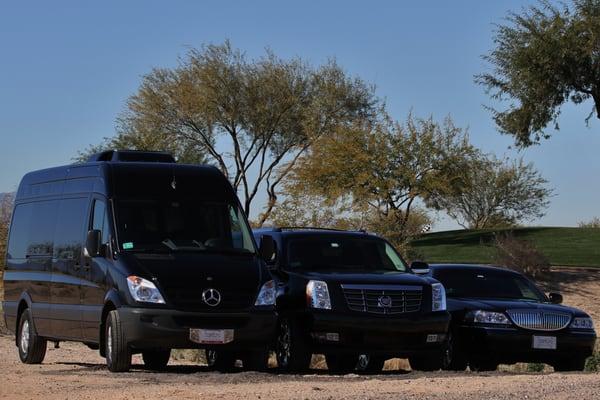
544, 342
211, 336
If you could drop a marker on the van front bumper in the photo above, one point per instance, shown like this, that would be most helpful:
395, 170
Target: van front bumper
392, 336
146, 328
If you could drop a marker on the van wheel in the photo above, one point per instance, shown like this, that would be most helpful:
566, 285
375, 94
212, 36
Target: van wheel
341, 363
293, 355
156, 360
368, 364
257, 360
118, 354
220, 360
32, 348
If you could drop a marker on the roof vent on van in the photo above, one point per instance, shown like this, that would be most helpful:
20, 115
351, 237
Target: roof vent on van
132, 156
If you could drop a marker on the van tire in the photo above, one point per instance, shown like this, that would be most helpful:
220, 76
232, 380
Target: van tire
156, 360
32, 348
118, 354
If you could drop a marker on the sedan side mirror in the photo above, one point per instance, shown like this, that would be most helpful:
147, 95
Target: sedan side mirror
92, 243
555, 298
268, 249
420, 267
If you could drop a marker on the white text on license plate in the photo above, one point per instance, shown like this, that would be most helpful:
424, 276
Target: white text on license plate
544, 342
211, 336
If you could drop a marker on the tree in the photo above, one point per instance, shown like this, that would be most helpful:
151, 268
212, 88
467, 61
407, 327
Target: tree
383, 169
495, 193
251, 118
6, 208
544, 57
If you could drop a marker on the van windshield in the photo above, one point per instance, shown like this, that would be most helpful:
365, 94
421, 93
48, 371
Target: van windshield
343, 253
185, 224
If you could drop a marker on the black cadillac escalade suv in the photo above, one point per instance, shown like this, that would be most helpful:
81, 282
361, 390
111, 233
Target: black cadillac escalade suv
350, 296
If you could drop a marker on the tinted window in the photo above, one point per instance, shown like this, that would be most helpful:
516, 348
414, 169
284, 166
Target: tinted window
343, 253
32, 233
100, 219
70, 228
488, 284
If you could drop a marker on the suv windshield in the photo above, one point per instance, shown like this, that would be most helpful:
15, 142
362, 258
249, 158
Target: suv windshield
488, 284
343, 253
187, 224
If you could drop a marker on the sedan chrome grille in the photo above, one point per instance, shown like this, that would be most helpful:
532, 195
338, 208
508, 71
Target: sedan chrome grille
383, 299
539, 320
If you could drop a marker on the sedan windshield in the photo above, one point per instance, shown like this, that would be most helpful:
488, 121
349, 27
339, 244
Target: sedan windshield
186, 224
343, 253
488, 284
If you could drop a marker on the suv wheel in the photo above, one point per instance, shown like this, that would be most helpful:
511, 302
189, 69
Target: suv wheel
293, 355
156, 359
220, 360
32, 348
454, 359
368, 364
118, 354
341, 363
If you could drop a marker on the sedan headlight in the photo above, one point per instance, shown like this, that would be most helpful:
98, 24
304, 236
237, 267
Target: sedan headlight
143, 290
438, 297
582, 323
267, 294
490, 317
317, 295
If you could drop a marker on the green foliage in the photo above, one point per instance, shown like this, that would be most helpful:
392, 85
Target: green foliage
543, 58
252, 118
383, 171
535, 367
562, 246
494, 193
592, 364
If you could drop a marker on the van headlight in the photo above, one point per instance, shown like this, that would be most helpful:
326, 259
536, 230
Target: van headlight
267, 294
143, 290
438, 297
317, 295
582, 323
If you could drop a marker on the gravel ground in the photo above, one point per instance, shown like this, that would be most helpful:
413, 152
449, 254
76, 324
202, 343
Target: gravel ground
75, 372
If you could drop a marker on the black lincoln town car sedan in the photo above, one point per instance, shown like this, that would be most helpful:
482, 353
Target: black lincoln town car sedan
501, 317
350, 296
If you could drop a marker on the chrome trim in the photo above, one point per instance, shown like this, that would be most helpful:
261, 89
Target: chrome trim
367, 298
382, 287
540, 320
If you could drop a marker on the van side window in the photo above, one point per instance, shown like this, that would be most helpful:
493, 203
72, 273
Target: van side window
69, 234
100, 220
33, 230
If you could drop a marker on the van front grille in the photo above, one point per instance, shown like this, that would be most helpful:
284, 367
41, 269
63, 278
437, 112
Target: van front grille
190, 299
383, 299
539, 320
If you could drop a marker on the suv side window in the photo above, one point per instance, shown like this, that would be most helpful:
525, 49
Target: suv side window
100, 219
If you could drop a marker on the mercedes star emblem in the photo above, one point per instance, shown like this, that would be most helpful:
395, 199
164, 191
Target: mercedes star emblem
212, 297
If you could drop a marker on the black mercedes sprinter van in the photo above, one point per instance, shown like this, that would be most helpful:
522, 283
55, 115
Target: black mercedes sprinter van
134, 253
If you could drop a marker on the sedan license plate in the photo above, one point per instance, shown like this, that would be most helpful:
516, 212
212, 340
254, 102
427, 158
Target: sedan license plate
544, 342
211, 336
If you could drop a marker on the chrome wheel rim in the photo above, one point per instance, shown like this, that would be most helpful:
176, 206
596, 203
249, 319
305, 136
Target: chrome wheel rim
283, 345
363, 362
211, 357
109, 344
25, 337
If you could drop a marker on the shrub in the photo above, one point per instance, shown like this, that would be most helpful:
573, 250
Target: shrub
520, 255
592, 364
593, 223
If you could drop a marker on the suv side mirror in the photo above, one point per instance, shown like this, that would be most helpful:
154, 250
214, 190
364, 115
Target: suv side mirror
555, 298
419, 267
268, 249
92, 243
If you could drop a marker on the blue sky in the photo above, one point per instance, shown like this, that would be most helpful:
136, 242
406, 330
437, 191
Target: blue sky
67, 68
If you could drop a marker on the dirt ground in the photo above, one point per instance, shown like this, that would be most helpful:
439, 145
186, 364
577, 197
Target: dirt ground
75, 372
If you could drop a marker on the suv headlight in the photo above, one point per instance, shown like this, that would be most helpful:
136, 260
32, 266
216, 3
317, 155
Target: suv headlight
143, 290
582, 323
317, 295
490, 317
438, 297
267, 294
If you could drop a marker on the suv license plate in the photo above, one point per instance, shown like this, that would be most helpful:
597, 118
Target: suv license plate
544, 342
211, 336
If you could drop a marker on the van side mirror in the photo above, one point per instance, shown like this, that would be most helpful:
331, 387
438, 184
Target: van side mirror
92, 243
555, 298
268, 249
420, 267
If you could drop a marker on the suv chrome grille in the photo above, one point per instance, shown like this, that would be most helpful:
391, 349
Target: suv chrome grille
539, 320
383, 299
